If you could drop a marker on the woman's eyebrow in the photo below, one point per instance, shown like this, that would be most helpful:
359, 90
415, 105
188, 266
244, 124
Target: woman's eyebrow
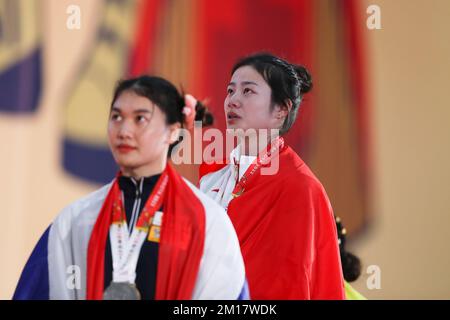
142, 111
117, 109
249, 82
244, 83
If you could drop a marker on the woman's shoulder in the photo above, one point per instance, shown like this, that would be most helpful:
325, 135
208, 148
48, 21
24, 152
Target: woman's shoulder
294, 172
298, 186
85, 209
93, 199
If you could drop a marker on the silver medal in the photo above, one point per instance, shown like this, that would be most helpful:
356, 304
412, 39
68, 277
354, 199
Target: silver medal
121, 291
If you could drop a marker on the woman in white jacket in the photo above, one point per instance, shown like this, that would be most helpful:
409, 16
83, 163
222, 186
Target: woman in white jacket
149, 234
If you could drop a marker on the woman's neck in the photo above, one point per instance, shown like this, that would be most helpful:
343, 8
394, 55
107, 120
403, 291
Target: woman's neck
253, 145
144, 171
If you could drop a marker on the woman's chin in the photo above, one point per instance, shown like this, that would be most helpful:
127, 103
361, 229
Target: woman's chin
235, 126
126, 164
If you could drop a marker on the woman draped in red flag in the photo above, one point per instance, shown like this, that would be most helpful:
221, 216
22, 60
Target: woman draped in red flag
149, 234
281, 213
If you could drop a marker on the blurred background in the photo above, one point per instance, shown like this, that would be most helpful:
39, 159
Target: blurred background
375, 128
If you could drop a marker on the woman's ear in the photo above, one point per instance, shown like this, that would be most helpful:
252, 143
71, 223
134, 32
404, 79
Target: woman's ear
287, 107
281, 111
174, 132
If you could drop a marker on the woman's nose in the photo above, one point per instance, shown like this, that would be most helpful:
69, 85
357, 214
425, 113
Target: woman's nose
125, 130
233, 102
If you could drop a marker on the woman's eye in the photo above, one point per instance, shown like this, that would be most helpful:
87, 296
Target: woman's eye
230, 91
247, 90
116, 117
140, 119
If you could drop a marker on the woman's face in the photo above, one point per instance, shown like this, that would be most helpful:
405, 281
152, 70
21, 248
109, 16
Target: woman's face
248, 101
138, 135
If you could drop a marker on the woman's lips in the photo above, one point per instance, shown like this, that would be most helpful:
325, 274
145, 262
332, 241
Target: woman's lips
232, 117
123, 148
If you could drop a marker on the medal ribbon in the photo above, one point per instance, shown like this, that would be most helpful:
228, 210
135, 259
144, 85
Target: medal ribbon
125, 249
263, 158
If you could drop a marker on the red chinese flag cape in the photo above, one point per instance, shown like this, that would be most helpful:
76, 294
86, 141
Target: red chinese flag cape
180, 248
287, 233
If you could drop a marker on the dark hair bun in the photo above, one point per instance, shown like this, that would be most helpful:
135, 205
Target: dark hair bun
305, 79
202, 114
351, 266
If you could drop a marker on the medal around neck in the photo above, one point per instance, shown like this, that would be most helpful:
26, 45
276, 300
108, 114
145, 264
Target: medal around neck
121, 291
125, 248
